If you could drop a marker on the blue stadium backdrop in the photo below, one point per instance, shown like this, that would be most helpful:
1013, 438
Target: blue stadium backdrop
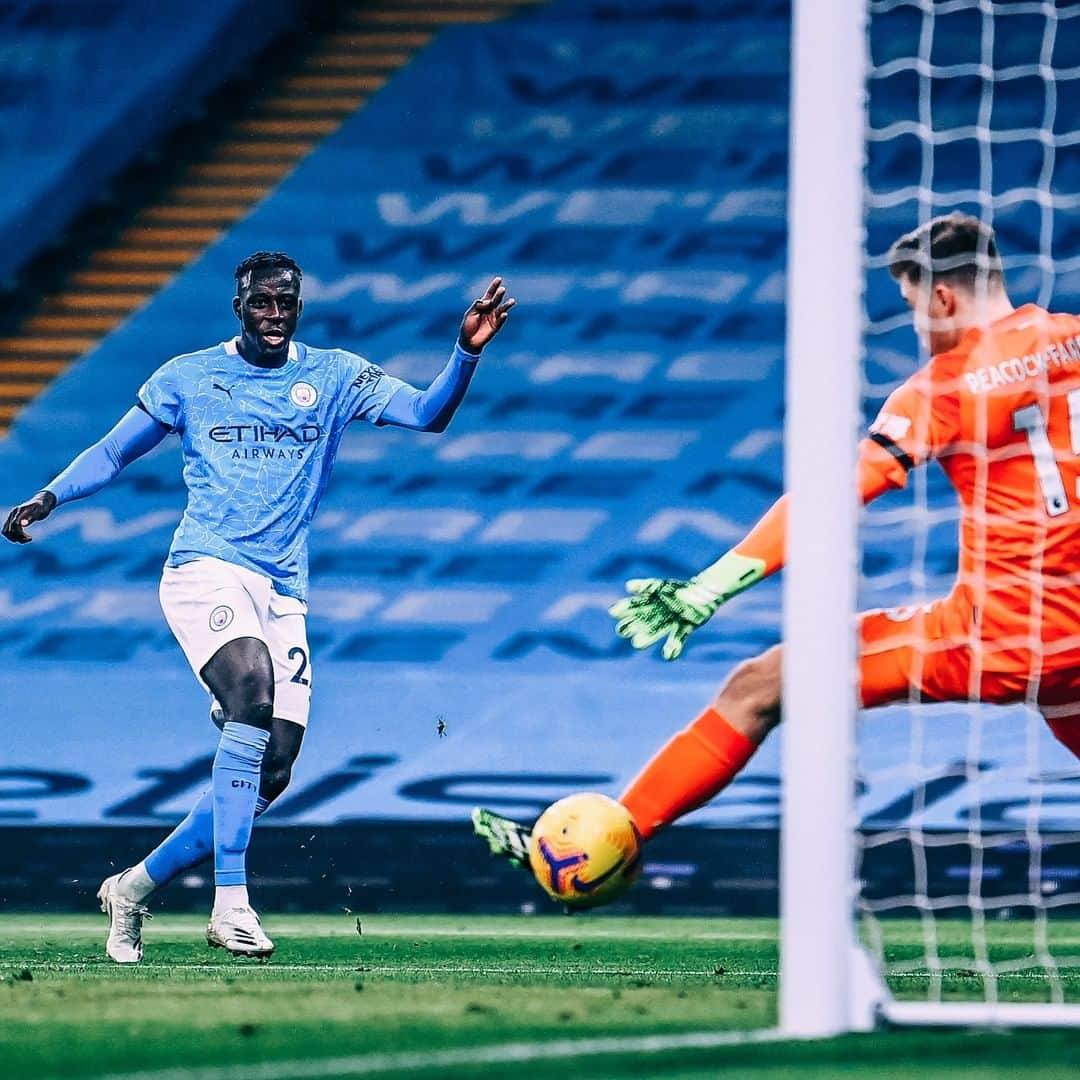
631, 189
68, 123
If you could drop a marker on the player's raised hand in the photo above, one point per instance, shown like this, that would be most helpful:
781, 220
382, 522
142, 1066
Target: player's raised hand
36, 509
485, 317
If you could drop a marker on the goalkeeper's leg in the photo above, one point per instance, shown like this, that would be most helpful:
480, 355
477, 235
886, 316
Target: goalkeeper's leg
703, 758
1066, 730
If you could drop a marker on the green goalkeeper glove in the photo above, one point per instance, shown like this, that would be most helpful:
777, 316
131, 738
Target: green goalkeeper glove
664, 607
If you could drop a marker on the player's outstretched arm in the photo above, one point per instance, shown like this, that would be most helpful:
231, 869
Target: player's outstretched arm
134, 435
433, 409
668, 608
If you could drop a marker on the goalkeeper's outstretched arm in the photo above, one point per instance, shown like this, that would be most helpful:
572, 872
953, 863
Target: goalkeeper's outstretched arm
667, 608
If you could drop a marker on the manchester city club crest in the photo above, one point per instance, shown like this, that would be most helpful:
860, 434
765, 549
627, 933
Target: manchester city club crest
220, 617
303, 394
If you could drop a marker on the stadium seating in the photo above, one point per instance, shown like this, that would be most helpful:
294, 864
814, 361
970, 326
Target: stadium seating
86, 87
629, 182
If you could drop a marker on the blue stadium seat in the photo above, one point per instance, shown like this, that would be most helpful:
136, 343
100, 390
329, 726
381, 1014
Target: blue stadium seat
87, 87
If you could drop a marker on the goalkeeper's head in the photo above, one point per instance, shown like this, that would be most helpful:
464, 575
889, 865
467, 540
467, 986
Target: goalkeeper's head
949, 271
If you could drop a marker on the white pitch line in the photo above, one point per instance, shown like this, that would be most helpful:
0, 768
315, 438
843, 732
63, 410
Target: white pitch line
358, 968
167, 930
503, 1054
569, 934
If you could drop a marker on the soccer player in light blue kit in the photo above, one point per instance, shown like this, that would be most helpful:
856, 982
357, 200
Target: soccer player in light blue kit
260, 420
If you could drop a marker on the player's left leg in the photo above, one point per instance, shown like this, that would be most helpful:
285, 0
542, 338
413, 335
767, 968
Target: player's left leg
1066, 730
703, 758
900, 656
690, 768
192, 840
1058, 694
284, 676
240, 675
1060, 708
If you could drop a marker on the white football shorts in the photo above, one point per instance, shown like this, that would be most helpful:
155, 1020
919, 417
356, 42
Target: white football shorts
209, 602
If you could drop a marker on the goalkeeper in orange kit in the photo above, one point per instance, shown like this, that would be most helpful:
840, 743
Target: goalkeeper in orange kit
998, 407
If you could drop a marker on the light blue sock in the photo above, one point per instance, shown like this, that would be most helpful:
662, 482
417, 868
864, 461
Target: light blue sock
190, 842
235, 785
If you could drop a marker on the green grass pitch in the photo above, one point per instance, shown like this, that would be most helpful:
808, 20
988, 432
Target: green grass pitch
473, 997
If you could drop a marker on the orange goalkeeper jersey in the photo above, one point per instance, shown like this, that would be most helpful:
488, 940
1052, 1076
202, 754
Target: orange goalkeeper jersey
1001, 414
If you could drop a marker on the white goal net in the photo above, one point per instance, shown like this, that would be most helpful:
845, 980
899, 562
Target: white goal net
967, 815
973, 825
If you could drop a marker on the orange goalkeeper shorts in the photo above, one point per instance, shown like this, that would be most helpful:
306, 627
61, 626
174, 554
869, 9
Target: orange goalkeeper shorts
933, 652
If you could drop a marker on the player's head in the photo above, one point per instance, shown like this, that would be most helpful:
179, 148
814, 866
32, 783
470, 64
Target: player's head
267, 302
947, 269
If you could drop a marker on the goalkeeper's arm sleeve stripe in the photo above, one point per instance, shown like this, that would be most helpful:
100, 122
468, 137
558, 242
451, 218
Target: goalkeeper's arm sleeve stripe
878, 471
135, 434
881, 468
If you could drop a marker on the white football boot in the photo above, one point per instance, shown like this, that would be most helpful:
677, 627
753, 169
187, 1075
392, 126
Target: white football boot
238, 929
124, 943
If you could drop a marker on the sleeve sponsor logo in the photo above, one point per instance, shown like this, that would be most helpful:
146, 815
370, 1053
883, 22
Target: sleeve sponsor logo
906, 612
368, 377
891, 426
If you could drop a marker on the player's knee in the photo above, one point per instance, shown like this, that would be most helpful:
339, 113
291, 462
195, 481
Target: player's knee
754, 688
256, 713
249, 699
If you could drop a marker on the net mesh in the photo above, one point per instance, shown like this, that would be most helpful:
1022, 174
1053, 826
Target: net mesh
970, 822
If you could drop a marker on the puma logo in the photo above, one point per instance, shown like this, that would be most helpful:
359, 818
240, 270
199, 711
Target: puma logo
223, 389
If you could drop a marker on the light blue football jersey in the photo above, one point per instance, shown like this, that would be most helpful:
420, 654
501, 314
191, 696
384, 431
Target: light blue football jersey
259, 445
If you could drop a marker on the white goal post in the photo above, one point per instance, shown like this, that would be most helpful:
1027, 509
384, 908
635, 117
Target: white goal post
825, 182
828, 983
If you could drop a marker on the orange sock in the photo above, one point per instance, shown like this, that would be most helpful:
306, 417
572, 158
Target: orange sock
686, 772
